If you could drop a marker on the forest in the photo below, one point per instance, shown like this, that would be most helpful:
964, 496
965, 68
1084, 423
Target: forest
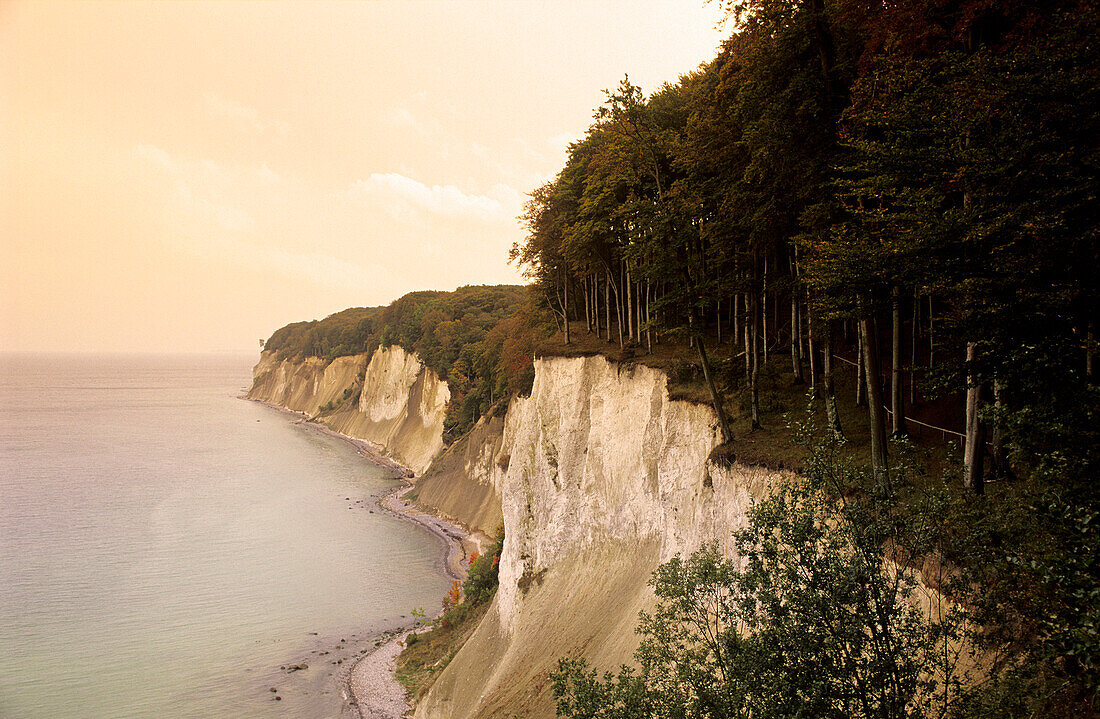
908, 186
477, 338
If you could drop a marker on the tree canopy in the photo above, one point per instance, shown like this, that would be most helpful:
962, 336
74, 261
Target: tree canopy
477, 338
913, 184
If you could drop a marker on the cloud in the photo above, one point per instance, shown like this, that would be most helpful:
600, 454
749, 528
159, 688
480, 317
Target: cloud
498, 205
373, 239
224, 214
199, 189
420, 121
317, 267
154, 155
230, 109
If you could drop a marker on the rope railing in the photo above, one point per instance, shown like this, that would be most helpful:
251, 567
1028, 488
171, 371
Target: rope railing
909, 420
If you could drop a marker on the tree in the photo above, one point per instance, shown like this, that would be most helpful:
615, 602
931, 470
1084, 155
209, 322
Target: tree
665, 216
818, 618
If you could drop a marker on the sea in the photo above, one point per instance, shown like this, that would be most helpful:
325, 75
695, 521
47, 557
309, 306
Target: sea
170, 550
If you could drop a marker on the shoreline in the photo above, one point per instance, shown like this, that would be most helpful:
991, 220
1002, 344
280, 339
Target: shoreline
370, 687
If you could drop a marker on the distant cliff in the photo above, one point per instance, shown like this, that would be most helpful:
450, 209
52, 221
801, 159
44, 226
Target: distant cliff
389, 398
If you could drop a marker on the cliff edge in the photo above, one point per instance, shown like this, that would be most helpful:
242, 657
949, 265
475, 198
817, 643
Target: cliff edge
597, 477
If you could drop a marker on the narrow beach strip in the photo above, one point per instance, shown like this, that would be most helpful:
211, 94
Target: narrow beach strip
371, 687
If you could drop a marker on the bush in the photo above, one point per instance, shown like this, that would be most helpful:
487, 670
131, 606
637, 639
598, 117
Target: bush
482, 575
819, 618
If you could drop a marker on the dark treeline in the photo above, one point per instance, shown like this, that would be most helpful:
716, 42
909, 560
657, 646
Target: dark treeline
917, 178
911, 186
478, 338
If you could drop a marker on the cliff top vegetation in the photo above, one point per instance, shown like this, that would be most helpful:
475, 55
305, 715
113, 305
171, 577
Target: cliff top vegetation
478, 338
906, 190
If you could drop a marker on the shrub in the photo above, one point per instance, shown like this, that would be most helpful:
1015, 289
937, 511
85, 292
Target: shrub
482, 575
819, 618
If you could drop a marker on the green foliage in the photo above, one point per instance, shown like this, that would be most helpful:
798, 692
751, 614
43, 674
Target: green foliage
821, 617
941, 152
428, 653
347, 332
479, 339
482, 574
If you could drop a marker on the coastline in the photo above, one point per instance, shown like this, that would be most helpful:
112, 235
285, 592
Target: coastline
370, 687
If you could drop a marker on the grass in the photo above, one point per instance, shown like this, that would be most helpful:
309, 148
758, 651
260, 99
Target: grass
425, 657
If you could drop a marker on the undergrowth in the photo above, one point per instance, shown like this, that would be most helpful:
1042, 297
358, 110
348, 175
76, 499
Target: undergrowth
428, 653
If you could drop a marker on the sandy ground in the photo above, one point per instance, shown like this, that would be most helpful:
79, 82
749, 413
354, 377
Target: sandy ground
371, 690
371, 686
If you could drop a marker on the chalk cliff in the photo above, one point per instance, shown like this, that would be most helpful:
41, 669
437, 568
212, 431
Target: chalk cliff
400, 407
601, 478
463, 484
597, 477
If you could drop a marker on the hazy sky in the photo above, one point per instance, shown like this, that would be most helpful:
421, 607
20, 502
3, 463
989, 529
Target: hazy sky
190, 177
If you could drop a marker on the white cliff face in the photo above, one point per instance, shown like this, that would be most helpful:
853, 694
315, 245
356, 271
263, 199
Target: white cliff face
302, 386
606, 478
600, 455
464, 482
401, 405
597, 476
388, 383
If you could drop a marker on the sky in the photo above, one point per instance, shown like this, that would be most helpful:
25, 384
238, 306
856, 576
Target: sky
189, 177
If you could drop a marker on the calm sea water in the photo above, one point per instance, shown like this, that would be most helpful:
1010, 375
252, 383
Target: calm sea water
166, 547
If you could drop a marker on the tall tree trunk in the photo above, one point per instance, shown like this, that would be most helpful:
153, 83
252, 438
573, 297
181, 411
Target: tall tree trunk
587, 307
913, 354
748, 346
565, 308
618, 309
861, 372
874, 398
754, 375
648, 321
931, 335
811, 334
555, 311
607, 301
897, 396
629, 303
736, 317
718, 320
831, 414
1000, 463
596, 304
762, 309
777, 315
593, 304
715, 398
975, 433
796, 355
804, 331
